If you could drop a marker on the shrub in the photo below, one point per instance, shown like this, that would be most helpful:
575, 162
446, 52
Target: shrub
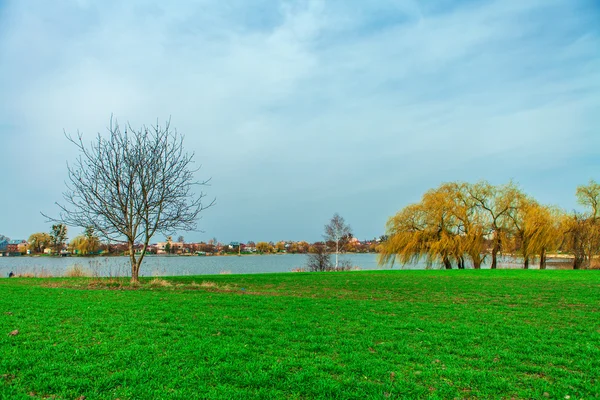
158, 282
77, 271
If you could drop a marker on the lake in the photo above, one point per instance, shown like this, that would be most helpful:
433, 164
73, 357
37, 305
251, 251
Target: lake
208, 265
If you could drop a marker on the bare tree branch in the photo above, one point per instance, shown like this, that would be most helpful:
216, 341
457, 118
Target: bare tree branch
133, 184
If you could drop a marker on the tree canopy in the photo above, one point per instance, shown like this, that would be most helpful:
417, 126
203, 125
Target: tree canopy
463, 224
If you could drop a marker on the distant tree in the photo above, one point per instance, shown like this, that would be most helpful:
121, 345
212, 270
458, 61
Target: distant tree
77, 245
264, 247
337, 231
92, 242
85, 244
302, 247
319, 260
207, 247
39, 241
280, 246
168, 248
2, 238
132, 184
181, 239
58, 237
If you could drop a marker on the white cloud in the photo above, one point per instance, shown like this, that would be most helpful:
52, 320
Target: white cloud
319, 104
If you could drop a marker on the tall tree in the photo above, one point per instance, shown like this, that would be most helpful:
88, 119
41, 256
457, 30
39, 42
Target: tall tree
132, 184
427, 229
585, 228
337, 231
578, 234
495, 202
470, 224
535, 230
58, 237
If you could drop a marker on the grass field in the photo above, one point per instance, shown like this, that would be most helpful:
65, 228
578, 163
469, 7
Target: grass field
392, 334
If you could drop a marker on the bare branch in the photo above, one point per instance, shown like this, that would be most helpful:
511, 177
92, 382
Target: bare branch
131, 184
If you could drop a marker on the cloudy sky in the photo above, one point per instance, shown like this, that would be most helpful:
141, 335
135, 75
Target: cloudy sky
300, 109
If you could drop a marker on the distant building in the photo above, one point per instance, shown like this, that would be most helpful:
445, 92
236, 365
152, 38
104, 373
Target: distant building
176, 247
15, 246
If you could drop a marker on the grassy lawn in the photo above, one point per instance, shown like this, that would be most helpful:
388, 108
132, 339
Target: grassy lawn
392, 334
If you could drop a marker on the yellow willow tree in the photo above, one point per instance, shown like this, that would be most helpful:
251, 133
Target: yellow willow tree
406, 236
585, 228
494, 204
429, 229
578, 234
470, 223
535, 230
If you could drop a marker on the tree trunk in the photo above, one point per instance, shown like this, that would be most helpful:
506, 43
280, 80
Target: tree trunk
461, 262
476, 261
496, 250
447, 263
135, 266
543, 259
526, 263
337, 249
577, 262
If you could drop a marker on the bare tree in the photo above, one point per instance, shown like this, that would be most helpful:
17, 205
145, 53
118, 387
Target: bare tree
319, 259
337, 231
132, 184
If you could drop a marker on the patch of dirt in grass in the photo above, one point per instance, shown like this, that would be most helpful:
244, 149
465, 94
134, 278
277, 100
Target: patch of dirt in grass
8, 378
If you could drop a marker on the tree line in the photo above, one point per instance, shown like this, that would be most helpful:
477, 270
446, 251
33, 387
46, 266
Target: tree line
56, 240
460, 223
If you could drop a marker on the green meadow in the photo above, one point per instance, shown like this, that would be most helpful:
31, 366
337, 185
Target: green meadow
348, 335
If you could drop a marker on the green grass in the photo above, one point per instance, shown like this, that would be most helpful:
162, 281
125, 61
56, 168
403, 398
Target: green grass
392, 334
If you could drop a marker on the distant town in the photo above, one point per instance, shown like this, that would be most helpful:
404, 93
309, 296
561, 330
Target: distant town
90, 245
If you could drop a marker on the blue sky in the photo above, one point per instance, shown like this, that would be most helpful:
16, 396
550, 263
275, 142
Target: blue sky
300, 109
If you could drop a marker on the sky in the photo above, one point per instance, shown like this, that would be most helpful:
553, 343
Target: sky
299, 109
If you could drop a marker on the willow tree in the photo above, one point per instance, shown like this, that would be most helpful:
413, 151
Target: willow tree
584, 228
534, 230
131, 184
589, 197
424, 230
495, 202
405, 236
578, 234
470, 223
